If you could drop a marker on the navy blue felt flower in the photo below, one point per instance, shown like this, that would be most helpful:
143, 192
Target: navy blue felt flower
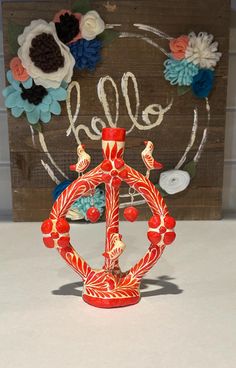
86, 53
59, 188
203, 82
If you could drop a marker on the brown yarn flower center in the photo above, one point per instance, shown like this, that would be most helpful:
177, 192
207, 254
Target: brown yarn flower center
34, 95
45, 53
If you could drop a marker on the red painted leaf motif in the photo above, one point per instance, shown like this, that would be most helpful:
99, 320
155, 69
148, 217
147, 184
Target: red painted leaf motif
107, 153
120, 153
114, 151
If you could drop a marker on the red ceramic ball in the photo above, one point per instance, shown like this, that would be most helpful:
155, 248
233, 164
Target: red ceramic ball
55, 235
46, 226
64, 241
62, 225
169, 237
169, 222
154, 221
114, 173
162, 229
48, 242
131, 214
106, 178
106, 165
93, 214
119, 163
154, 237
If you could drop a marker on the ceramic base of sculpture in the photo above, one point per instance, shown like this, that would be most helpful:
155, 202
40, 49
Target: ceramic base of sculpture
110, 287
110, 303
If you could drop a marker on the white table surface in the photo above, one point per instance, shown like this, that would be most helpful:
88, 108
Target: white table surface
186, 318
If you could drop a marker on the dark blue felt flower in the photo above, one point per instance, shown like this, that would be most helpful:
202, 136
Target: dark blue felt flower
86, 53
203, 82
59, 188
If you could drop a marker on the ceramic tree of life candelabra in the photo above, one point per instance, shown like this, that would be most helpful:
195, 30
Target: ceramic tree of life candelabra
110, 287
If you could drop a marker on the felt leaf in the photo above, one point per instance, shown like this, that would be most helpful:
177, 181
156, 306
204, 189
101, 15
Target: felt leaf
181, 90
190, 167
108, 36
14, 30
81, 6
37, 127
161, 191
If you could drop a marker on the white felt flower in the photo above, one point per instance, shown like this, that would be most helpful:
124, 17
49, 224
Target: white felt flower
202, 51
91, 25
174, 181
47, 60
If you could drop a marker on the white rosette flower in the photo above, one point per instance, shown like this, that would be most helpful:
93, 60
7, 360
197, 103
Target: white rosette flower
91, 25
174, 181
202, 51
47, 79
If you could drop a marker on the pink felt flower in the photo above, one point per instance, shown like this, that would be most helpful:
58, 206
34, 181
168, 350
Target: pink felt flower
178, 47
18, 71
67, 26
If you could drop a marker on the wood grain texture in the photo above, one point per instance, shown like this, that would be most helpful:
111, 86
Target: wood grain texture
31, 186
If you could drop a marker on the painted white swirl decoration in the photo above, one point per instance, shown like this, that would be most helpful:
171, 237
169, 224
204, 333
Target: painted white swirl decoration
174, 181
97, 123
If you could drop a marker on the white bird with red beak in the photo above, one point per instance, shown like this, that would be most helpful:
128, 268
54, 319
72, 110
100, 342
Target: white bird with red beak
148, 159
117, 248
83, 162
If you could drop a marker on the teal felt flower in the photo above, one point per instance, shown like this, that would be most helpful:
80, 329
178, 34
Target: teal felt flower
180, 72
37, 102
84, 203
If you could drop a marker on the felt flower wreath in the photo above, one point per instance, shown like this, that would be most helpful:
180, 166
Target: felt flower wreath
46, 57
191, 62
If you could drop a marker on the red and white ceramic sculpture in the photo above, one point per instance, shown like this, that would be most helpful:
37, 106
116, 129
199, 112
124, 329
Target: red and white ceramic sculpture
110, 287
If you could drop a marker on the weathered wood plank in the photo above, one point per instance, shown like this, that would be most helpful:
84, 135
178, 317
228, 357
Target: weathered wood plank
202, 200
199, 204
28, 171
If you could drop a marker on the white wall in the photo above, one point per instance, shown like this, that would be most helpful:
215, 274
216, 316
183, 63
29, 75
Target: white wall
229, 191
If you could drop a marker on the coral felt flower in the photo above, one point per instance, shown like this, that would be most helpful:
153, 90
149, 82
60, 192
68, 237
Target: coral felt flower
18, 71
91, 25
179, 72
67, 26
46, 59
86, 53
174, 181
203, 83
36, 101
202, 51
178, 47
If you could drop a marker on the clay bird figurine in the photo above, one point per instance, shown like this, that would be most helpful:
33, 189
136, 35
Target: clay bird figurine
83, 162
148, 158
117, 248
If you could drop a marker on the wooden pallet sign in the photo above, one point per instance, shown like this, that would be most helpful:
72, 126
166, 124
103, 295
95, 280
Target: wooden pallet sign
158, 70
